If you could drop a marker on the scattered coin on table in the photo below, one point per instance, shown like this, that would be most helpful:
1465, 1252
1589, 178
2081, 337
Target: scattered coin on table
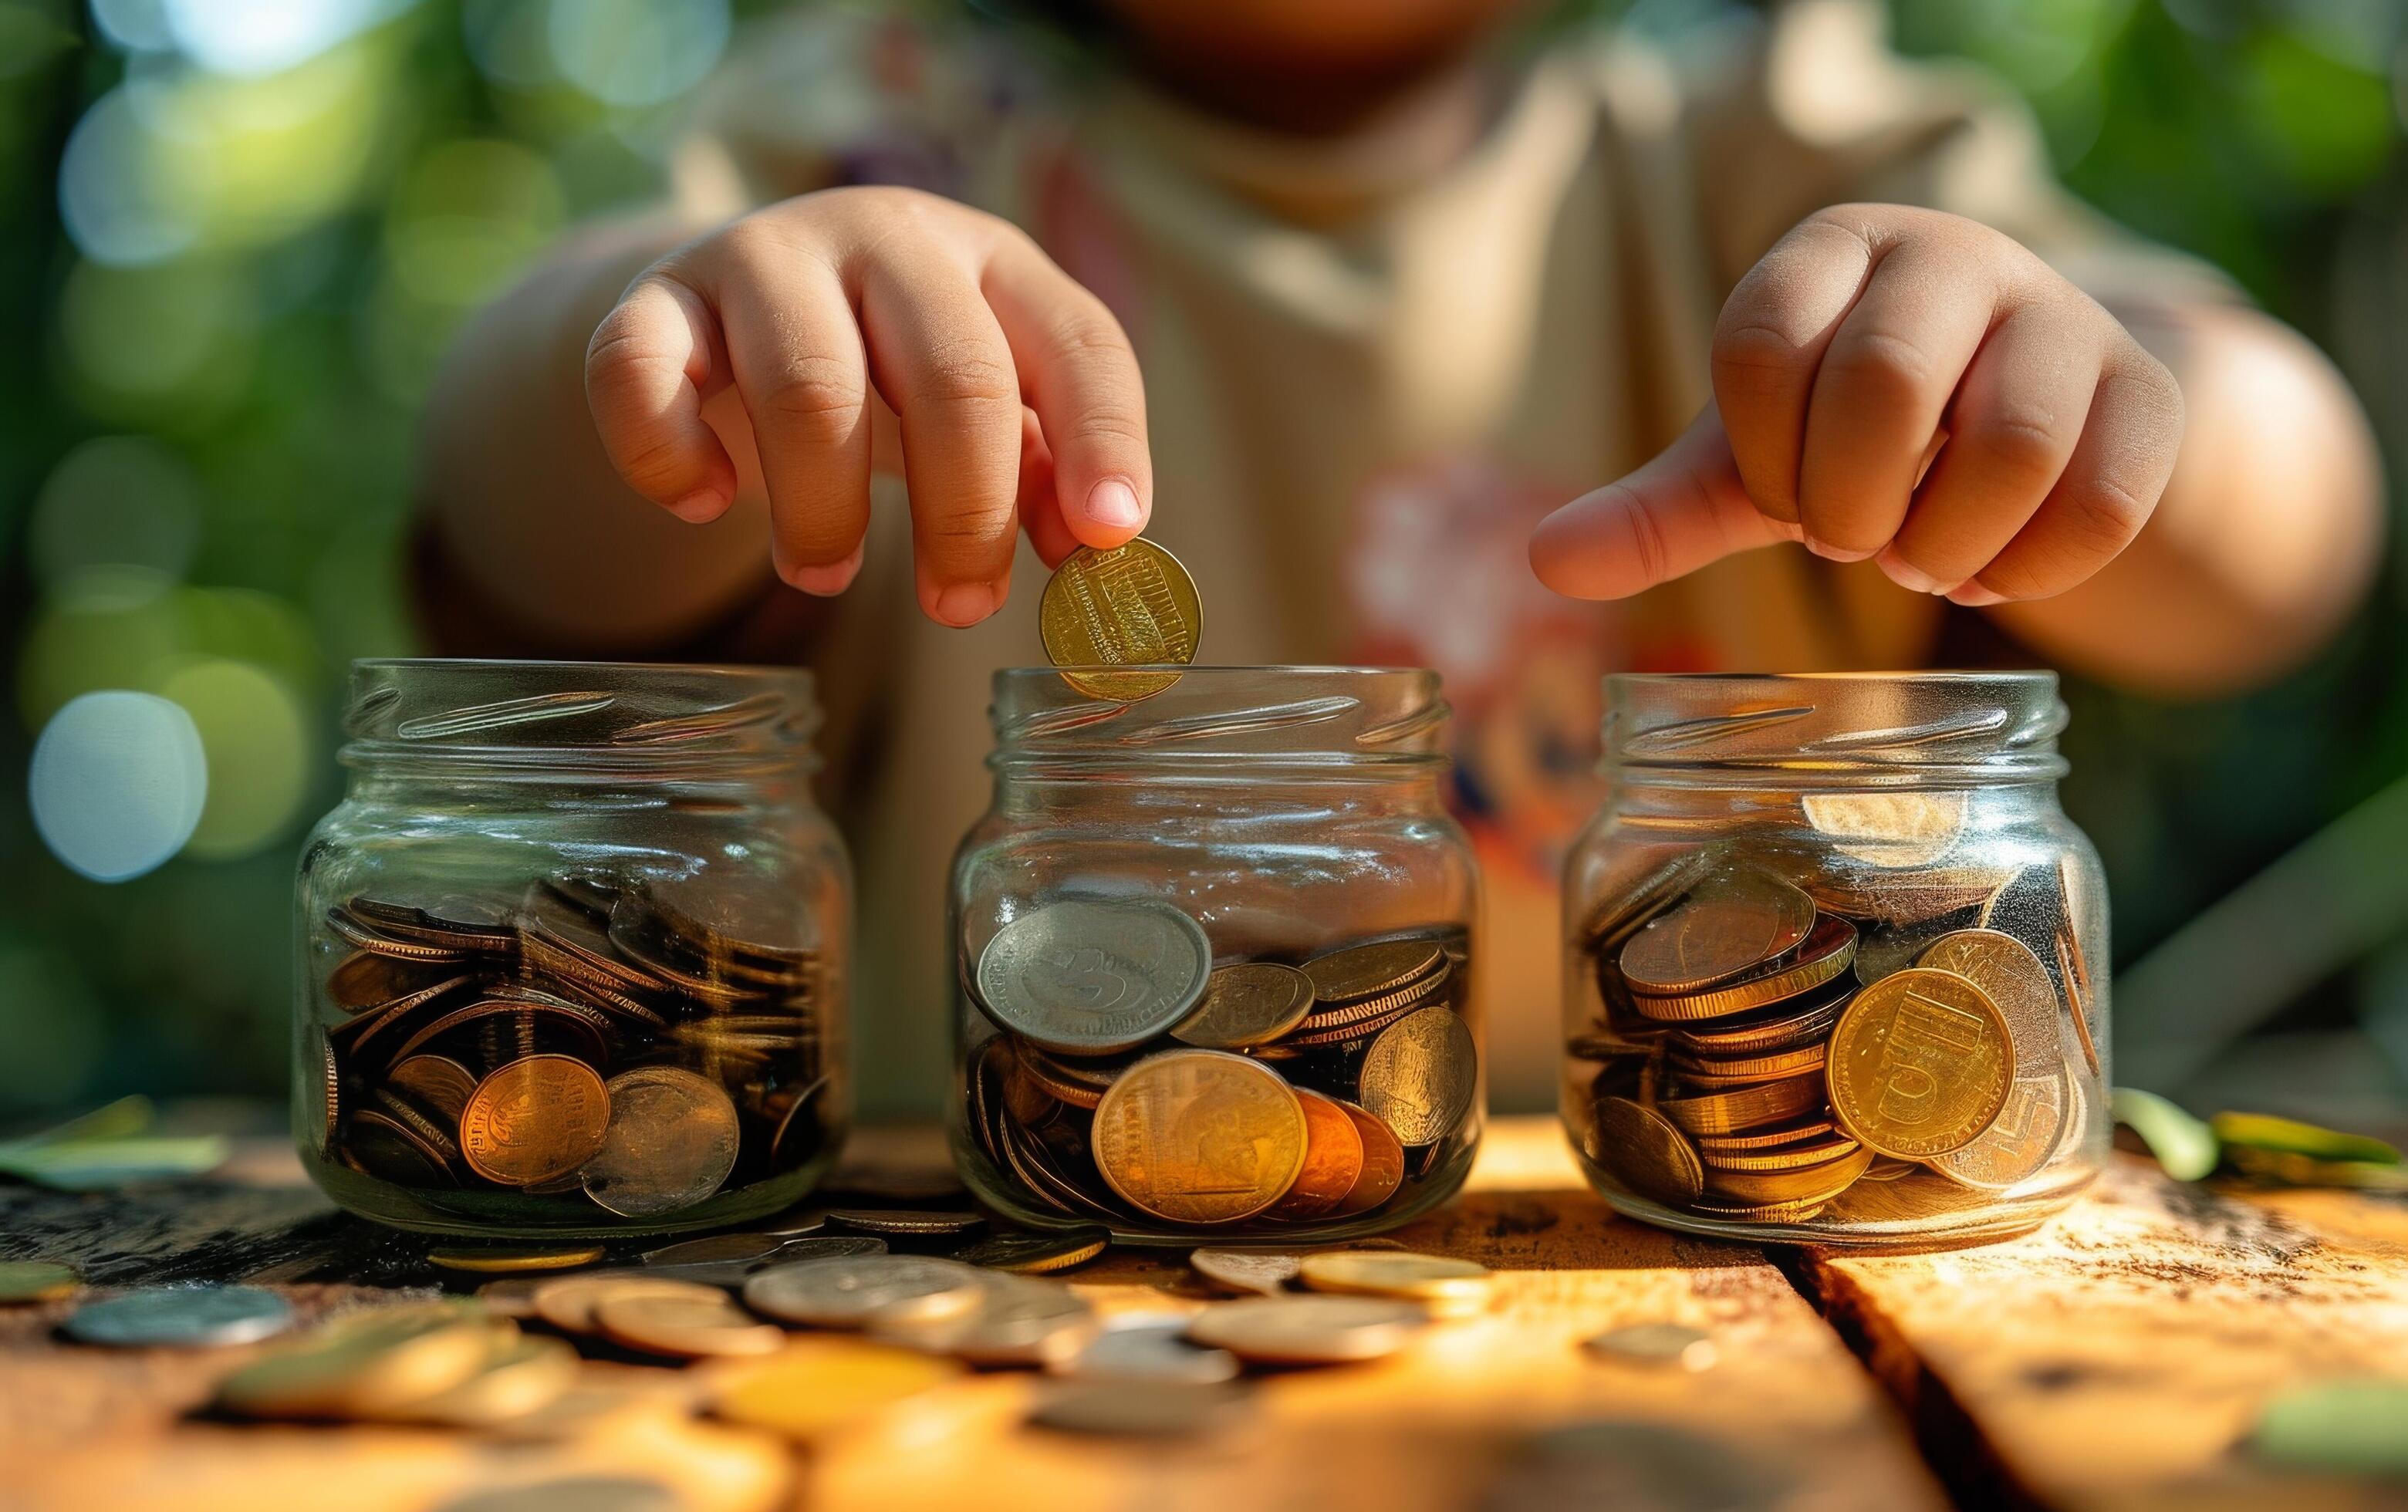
503, 1259
1447, 1287
1034, 1252
1146, 1348
815, 1387
1139, 1409
847, 1290
1656, 1344
908, 1222
1307, 1331
570, 1302
182, 1316
687, 1326
1266, 1272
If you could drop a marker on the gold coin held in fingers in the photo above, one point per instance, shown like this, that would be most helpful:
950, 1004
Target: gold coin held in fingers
1131, 605
534, 1119
1921, 1064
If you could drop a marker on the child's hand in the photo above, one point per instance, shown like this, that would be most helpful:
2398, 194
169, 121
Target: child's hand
1840, 361
1018, 397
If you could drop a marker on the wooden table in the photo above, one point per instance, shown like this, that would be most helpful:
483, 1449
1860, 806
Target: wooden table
2115, 1358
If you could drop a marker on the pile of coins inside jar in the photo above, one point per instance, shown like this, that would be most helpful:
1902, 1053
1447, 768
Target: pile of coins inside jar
627, 1046
1780, 1042
1137, 1084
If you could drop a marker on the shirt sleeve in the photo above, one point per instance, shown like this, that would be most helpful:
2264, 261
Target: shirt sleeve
1815, 110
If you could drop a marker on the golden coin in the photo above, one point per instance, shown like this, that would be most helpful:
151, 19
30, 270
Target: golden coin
1796, 1157
690, 1327
1720, 1073
1250, 1003
1724, 927
35, 1280
365, 1365
1307, 1331
1785, 1026
815, 1388
502, 1261
521, 1375
1744, 1107
1420, 1077
1374, 970
1384, 1164
1132, 605
1772, 1138
1759, 1212
1825, 953
2026, 1135
1200, 1136
1450, 1285
1643, 1149
1816, 1183
567, 1303
1921, 1063
669, 1145
2012, 978
1333, 1159
1903, 897
535, 1120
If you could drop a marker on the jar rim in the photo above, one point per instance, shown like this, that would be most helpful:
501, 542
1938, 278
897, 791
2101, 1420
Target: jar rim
1318, 715
642, 711
1836, 728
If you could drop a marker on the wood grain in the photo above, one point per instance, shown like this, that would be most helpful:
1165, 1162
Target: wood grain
2118, 1357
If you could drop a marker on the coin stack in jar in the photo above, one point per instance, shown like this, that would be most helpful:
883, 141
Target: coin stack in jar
630, 1046
1783, 1038
1135, 1082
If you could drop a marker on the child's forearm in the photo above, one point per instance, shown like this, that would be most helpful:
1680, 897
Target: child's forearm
523, 500
2268, 535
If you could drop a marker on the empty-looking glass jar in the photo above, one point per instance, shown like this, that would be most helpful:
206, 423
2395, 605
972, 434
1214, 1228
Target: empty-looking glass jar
1215, 951
1836, 961
573, 951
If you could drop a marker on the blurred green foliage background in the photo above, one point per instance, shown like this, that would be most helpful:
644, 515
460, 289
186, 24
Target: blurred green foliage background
235, 234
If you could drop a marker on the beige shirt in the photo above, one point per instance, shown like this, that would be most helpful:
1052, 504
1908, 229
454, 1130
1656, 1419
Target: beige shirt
1371, 364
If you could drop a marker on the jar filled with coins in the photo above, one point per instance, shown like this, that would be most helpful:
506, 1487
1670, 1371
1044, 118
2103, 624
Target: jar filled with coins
1836, 961
573, 951
1215, 955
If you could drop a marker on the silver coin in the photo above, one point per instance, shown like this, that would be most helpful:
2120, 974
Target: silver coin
1307, 1331
1147, 1348
1154, 1409
669, 1145
918, 1222
712, 1247
186, 1316
731, 1275
1657, 1344
1017, 1320
845, 1291
1090, 979
1264, 1271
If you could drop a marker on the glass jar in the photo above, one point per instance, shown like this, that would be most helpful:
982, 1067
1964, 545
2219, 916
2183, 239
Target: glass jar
573, 951
1215, 951
1836, 961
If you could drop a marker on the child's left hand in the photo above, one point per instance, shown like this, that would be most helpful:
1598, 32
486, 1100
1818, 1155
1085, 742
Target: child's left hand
1868, 337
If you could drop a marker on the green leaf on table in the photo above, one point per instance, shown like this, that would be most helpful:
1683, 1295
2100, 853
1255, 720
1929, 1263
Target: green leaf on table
2351, 1427
2183, 1145
103, 1164
2293, 1170
127, 1116
2289, 1136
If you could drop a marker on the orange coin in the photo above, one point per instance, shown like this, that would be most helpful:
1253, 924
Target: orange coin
1333, 1159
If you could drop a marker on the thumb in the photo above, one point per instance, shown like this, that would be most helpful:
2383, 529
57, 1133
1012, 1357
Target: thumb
1682, 510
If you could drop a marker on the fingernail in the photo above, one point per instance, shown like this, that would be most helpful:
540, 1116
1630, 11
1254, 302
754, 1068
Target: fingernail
1114, 503
1974, 597
698, 508
1834, 553
1907, 575
965, 604
829, 579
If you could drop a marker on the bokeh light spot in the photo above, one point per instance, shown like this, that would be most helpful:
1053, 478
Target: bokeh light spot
116, 501
468, 215
103, 627
117, 783
252, 38
121, 195
258, 749
636, 53
177, 337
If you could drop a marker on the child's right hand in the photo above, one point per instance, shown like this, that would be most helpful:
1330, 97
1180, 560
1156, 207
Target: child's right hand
838, 315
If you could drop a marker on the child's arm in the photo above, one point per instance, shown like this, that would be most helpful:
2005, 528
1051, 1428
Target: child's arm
749, 383
1872, 331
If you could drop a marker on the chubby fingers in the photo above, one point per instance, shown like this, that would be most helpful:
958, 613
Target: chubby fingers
1683, 509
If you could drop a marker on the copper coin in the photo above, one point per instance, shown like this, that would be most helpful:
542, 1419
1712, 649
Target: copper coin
1824, 956
1333, 1159
1744, 1107
1372, 970
436, 1081
1384, 1164
1724, 927
535, 1120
